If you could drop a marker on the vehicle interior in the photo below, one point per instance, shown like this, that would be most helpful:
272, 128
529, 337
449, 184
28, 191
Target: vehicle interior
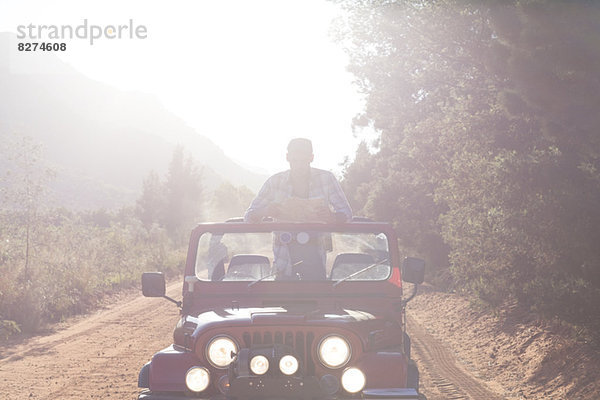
292, 255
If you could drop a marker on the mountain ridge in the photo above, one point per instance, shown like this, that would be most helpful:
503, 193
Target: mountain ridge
96, 135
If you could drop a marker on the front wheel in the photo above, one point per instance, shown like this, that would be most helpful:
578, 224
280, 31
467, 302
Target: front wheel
412, 376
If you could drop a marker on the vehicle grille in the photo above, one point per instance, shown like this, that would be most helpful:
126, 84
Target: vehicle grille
300, 341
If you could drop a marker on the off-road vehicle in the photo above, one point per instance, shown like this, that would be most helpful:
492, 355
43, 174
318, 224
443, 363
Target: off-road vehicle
288, 310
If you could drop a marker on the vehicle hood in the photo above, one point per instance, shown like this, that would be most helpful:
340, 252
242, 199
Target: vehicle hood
375, 329
358, 320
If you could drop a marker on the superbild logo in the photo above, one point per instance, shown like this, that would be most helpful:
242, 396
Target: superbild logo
90, 32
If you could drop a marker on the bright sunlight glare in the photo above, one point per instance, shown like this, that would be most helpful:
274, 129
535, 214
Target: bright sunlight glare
247, 75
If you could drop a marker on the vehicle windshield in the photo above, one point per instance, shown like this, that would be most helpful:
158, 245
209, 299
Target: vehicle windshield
293, 255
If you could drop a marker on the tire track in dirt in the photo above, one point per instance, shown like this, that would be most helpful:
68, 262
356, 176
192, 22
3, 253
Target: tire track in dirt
440, 373
96, 358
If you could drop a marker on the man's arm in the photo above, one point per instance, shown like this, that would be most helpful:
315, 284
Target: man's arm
263, 204
338, 200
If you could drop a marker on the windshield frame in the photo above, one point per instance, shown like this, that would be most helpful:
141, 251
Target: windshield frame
243, 227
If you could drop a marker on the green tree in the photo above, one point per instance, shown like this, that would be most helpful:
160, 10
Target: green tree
229, 201
413, 62
488, 149
184, 195
359, 176
176, 203
150, 207
23, 188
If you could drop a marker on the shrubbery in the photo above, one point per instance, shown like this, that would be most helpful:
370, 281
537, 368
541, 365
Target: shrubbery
56, 263
488, 159
75, 260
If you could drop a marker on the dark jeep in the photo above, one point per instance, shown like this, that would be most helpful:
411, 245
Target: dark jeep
323, 318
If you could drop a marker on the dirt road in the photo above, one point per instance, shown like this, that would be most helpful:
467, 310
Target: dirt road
465, 352
99, 356
442, 376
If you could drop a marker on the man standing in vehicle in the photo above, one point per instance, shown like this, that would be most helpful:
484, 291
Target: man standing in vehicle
321, 191
303, 182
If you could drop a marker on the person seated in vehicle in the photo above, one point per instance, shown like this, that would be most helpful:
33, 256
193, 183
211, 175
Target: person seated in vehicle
285, 195
216, 258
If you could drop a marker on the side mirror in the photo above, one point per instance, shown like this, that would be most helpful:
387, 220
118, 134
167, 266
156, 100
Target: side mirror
153, 284
413, 270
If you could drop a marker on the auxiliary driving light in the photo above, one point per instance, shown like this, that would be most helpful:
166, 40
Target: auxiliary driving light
288, 365
219, 351
259, 365
224, 384
334, 351
353, 380
197, 379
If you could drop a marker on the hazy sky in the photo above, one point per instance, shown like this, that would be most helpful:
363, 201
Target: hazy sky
250, 75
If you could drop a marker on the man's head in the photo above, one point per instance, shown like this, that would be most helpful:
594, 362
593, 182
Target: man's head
299, 153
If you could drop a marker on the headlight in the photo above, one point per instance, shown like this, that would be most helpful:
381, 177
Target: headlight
288, 365
197, 379
334, 351
353, 380
259, 365
219, 351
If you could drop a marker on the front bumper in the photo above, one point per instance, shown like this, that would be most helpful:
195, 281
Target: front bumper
382, 394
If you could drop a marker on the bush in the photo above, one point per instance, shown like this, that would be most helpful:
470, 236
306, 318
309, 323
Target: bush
74, 262
8, 328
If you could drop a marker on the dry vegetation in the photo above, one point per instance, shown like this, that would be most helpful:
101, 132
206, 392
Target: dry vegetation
56, 262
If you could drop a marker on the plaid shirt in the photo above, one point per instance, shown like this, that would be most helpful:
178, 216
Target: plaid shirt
322, 185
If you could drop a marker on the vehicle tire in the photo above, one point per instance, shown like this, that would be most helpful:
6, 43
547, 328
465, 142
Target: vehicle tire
406, 343
412, 376
144, 376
